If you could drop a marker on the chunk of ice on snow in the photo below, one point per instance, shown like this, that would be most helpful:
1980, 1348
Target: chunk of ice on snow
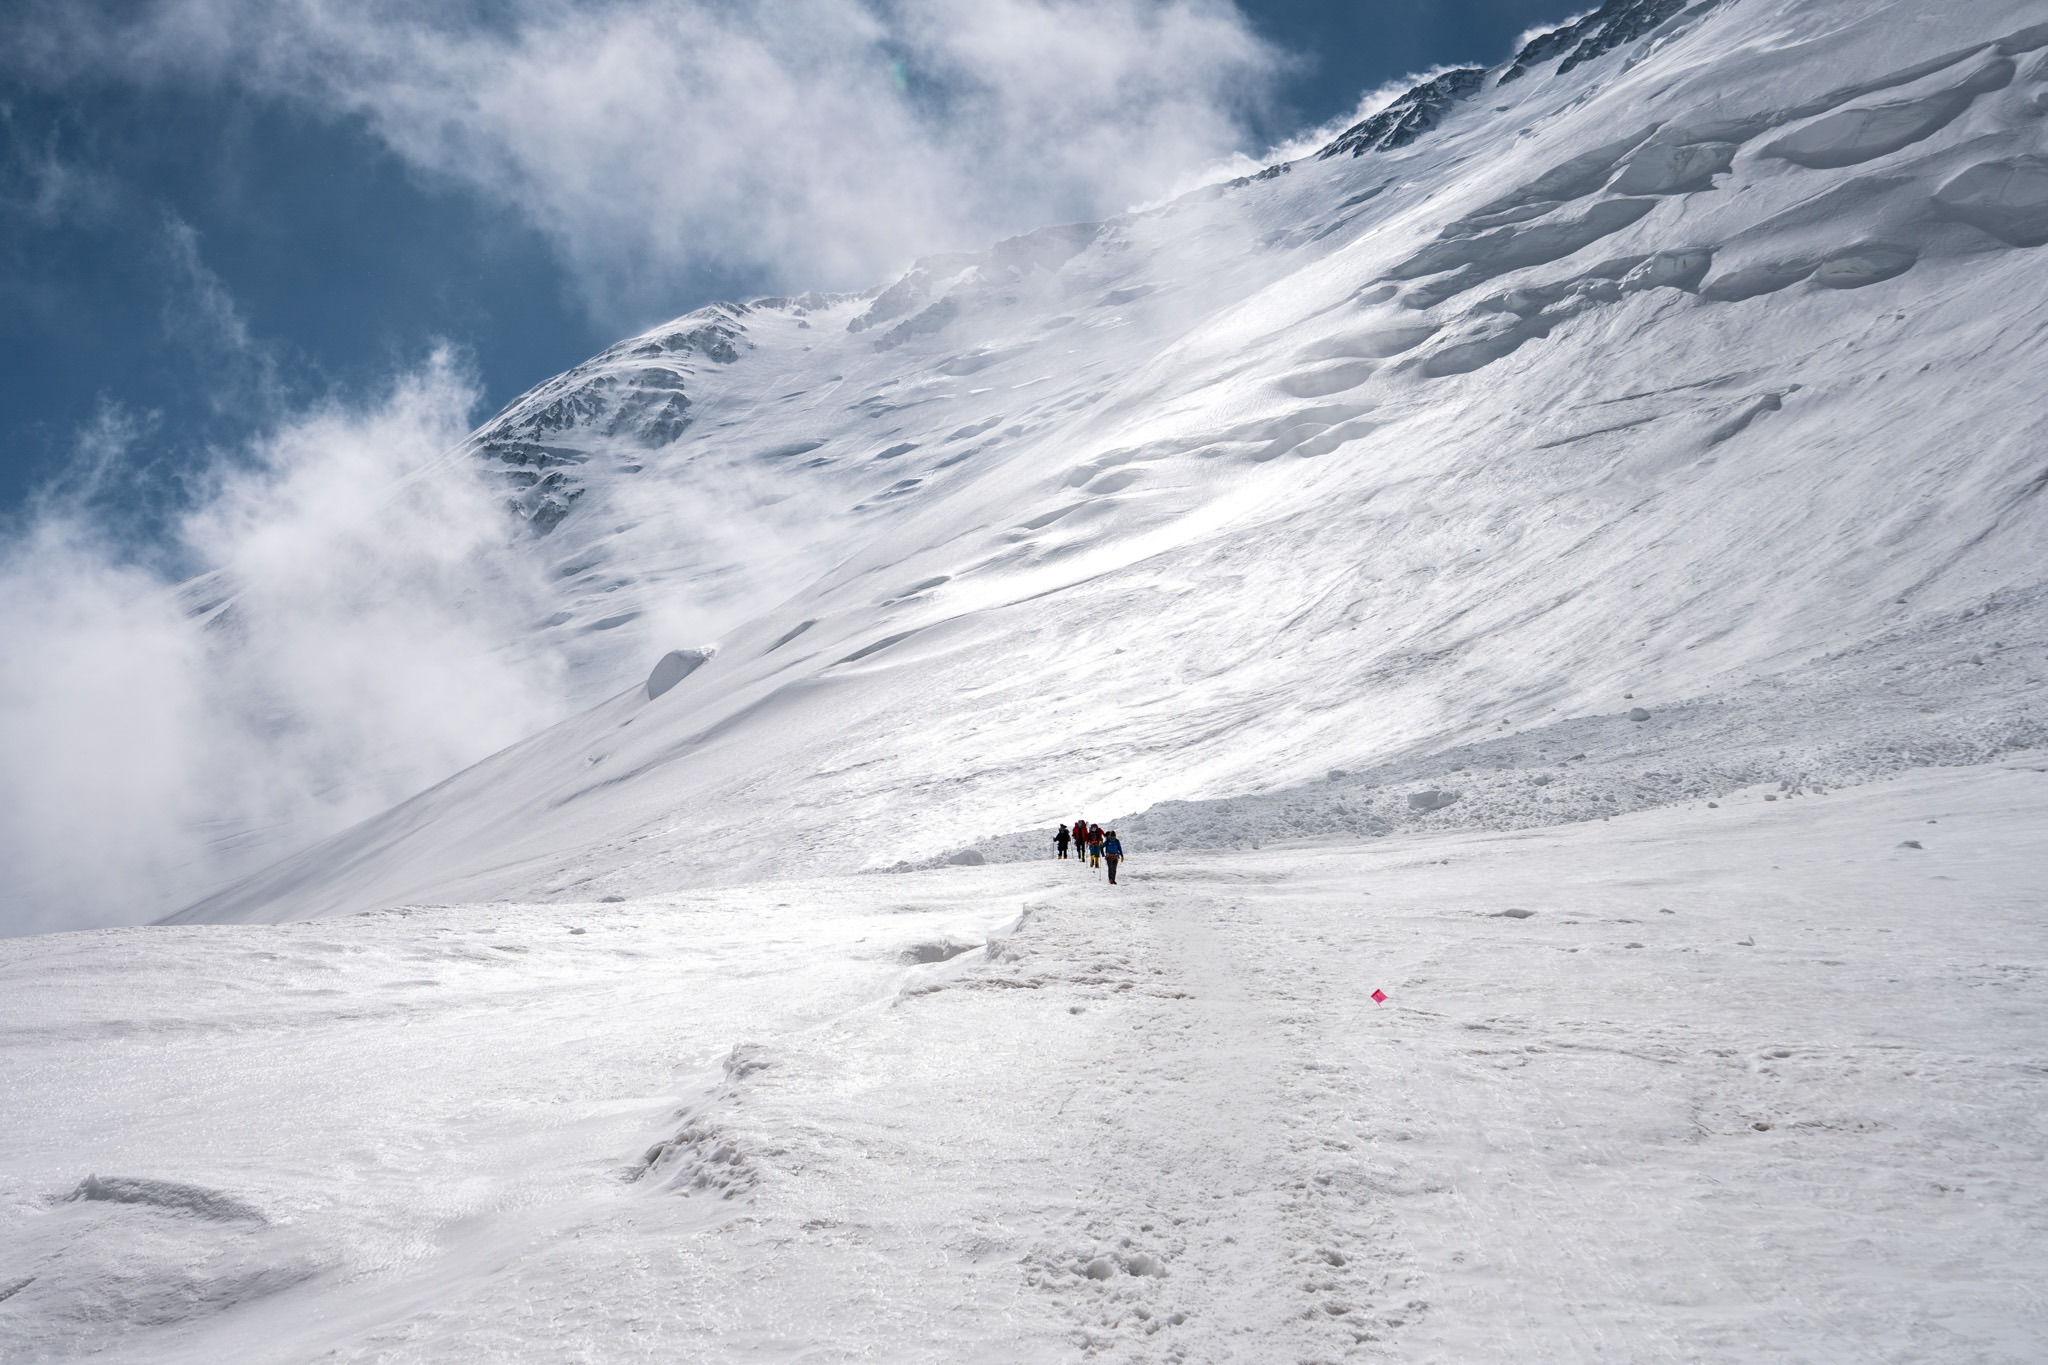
675, 666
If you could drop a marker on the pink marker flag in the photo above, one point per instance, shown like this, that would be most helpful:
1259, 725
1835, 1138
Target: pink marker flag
1379, 997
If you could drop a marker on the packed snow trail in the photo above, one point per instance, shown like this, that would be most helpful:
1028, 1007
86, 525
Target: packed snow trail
1746, 1083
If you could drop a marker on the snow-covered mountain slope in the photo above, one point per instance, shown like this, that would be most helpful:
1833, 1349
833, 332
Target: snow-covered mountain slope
1689, 362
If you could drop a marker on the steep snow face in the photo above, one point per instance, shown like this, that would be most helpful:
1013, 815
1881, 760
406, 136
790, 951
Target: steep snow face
1704, 371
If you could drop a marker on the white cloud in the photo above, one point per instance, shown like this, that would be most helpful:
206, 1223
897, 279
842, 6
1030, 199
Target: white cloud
201, 315
98, 703
769, 141
154, 749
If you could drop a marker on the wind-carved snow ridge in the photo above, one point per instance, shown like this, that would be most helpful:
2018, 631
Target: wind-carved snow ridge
1678, 373
166, 1194
1598, 194
673, 667
703, 1158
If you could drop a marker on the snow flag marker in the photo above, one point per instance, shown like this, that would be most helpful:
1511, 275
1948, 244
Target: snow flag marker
1379, 997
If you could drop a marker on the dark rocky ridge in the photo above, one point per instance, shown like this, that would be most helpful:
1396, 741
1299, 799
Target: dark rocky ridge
1606, 28
635, 390
1408, 117
1422, 108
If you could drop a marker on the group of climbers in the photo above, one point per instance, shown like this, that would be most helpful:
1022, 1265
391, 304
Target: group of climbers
1090, 842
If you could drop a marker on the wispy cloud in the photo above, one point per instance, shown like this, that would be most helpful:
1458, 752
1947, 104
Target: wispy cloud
200, 314
801, 143
356, 641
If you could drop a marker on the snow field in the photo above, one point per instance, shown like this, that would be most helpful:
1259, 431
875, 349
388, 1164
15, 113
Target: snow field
1754, 1083
416, 1105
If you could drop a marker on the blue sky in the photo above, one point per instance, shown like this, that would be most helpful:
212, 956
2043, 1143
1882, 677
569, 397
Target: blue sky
199, 238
